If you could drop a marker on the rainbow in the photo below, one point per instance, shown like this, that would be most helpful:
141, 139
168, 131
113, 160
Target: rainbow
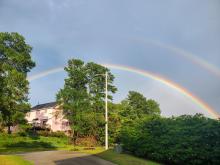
150, 75
187, 55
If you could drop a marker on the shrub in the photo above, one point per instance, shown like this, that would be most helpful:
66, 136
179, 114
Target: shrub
51, 134
1, 128
43, 133
58, 134
22, 133
89, 141
180, 140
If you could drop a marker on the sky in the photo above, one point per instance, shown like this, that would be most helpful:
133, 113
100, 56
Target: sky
149, 35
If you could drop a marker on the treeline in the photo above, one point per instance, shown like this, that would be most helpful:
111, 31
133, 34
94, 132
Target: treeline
177, 140
82, 100
135, 122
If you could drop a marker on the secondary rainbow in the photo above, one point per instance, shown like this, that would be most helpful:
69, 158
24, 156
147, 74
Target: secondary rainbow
148, 74
183, 53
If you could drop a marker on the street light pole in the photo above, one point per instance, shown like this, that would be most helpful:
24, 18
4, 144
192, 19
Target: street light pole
106, 110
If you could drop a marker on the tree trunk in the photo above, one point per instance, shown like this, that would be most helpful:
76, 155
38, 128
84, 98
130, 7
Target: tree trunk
9, 129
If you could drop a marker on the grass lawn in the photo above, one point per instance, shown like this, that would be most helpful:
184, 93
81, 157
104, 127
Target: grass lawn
14, 144
13, 160
10, 144
120, 159
124, 159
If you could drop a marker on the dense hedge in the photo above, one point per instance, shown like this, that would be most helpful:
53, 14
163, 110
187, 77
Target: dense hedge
181, 140
51, 134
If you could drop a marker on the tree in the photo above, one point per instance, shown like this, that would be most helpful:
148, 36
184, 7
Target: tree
73, 98
15, 63
114, 122
136, 106
82, 97
153, 107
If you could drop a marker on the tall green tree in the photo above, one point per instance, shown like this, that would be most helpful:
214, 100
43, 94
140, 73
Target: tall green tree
82, 97
136, 106
15, 63
96, 85
73, 98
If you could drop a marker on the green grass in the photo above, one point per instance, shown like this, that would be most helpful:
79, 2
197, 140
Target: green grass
13, 143
13, 160
10, 144
120, 159
96, 150
123, 159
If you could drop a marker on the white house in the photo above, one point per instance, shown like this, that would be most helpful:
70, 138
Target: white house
48, 115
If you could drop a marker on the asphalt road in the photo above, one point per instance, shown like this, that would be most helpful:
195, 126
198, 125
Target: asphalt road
63, 158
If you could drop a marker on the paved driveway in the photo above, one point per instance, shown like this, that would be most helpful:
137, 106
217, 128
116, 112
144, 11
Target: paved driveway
63, 158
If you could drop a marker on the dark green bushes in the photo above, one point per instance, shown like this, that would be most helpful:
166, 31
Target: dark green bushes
47, 133
180, 140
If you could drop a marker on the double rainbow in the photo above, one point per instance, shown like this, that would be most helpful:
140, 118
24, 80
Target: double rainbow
150, 75
183, 53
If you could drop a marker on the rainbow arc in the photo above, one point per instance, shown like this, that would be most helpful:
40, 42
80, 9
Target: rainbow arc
148, 74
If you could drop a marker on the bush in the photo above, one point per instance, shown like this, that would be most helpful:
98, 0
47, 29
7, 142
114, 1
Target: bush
1, 128
86, 141
43, 133
51, 134
181, 140
58, 134
22, 133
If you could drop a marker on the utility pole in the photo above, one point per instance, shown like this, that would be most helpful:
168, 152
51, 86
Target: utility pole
106, 110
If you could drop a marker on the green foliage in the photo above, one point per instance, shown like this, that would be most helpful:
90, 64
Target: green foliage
178, 140
136, 106
51, 134
96, 84
15, 62
82, 98
15, 52
87, 142
115, 124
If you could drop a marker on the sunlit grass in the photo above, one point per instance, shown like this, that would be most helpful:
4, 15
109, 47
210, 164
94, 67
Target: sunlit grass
123, 159
13, 160
110, 155
14, 144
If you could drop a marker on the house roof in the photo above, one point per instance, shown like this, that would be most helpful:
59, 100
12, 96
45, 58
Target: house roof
46, 105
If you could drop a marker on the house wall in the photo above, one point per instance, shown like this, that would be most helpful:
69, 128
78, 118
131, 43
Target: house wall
54, 117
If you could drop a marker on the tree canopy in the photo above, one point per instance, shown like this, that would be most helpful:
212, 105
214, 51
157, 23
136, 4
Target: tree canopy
136, 106
82, 97
15, 63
